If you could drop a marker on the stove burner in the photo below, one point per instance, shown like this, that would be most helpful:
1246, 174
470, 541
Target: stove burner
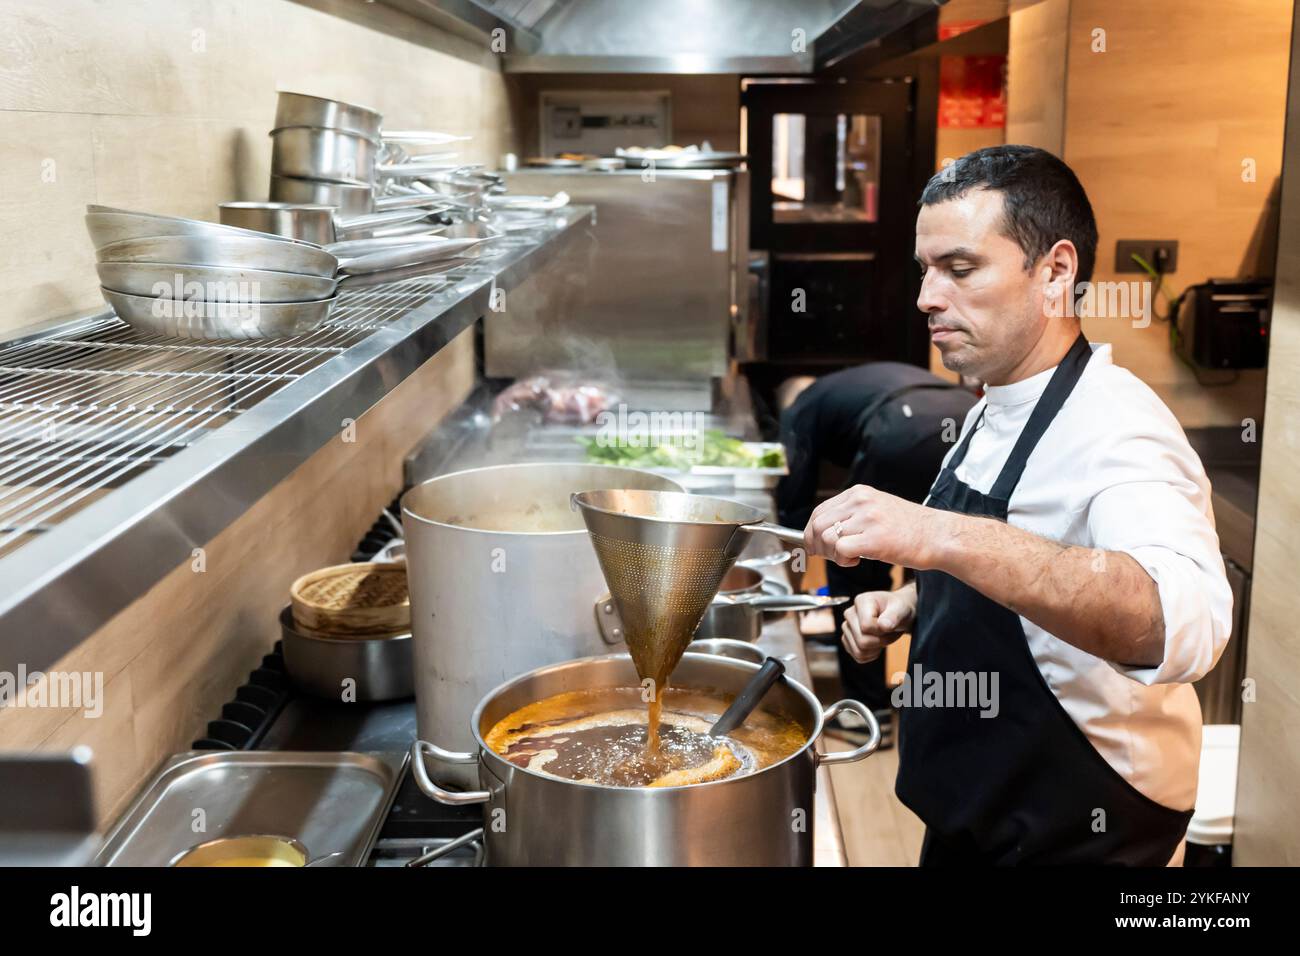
268, 713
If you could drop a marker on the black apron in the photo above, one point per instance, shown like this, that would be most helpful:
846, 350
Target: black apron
1026, 785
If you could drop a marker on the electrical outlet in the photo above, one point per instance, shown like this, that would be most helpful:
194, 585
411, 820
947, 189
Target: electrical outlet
1148, 249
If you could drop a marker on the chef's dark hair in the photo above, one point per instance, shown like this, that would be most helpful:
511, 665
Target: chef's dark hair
1043, 200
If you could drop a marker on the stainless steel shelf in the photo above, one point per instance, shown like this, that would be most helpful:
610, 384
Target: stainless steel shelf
82, 411
121, 452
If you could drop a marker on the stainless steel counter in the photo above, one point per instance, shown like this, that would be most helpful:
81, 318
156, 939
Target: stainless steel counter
653, 291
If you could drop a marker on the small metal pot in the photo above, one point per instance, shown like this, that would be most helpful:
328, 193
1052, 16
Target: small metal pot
351, 199
739, 621
381, 667
313, 223
738, 610
331, 154
727, 647
759, 819
302, 109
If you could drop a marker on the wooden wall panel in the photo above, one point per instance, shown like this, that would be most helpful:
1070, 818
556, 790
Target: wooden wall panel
165, 106
1157, 127
1267, 827
1036, 70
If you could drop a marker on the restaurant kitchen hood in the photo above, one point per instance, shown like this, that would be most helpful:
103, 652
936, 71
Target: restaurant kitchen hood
674, 36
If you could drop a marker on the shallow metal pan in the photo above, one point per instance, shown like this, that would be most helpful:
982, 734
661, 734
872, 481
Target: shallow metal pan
107, 226
330, 802
213, 321
351, 199
230, 252
266, 286
356, 247
728, 647
302, 109
262, 285
409, 255
317, 223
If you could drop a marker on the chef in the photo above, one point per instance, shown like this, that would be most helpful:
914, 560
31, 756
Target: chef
1069, 585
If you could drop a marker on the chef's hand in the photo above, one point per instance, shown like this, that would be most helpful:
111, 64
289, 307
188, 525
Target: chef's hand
876, 620
865, 523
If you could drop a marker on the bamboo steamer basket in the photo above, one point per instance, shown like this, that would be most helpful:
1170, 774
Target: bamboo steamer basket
362, 600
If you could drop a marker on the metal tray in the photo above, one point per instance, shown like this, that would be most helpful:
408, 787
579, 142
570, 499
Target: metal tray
329, 802
559, 442
689, 160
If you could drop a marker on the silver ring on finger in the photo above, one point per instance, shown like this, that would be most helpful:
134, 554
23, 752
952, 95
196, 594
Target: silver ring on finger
838, 528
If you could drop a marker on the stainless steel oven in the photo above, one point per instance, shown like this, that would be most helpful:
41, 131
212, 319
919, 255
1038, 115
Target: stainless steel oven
655, 294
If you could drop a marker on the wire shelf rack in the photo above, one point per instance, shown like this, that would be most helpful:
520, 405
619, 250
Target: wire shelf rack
122, 451
93, 404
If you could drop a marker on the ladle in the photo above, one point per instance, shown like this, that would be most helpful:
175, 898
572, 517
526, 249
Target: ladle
749, 697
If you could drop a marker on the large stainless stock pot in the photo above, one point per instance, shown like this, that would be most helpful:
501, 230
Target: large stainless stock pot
503, 579
529, 818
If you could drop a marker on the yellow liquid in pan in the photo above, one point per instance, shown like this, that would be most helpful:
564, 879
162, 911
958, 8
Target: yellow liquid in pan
254, 861
600, 737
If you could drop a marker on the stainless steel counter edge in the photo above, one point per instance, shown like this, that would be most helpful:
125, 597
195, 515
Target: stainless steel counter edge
781, 637
61, 587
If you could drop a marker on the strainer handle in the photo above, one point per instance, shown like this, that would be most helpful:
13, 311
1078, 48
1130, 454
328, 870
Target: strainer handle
851, 756
788, 535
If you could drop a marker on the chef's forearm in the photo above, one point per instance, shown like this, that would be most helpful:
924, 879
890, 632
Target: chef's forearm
1102, 602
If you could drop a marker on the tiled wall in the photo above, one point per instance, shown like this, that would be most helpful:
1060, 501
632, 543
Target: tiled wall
165, 105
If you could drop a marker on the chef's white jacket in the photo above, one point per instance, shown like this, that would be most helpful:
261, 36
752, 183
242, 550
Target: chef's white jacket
1114, 472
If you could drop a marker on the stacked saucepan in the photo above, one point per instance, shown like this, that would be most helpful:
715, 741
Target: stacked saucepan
335, 153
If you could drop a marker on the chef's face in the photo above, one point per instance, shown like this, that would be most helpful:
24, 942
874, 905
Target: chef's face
985, 308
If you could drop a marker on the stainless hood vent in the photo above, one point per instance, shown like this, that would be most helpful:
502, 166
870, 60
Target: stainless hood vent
681, 36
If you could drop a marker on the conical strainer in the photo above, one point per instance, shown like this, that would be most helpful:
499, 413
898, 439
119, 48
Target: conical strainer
663, 555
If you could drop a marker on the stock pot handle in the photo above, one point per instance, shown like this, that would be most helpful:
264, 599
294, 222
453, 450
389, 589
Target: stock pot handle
608, 620
851, 756
432, 790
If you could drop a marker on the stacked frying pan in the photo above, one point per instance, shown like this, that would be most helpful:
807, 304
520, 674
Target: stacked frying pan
193, 279
199, 280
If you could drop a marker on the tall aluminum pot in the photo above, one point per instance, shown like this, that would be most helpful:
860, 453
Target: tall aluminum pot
488, 605
530, 819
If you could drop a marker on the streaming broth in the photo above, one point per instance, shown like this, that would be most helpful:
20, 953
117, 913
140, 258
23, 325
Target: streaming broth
600, 737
